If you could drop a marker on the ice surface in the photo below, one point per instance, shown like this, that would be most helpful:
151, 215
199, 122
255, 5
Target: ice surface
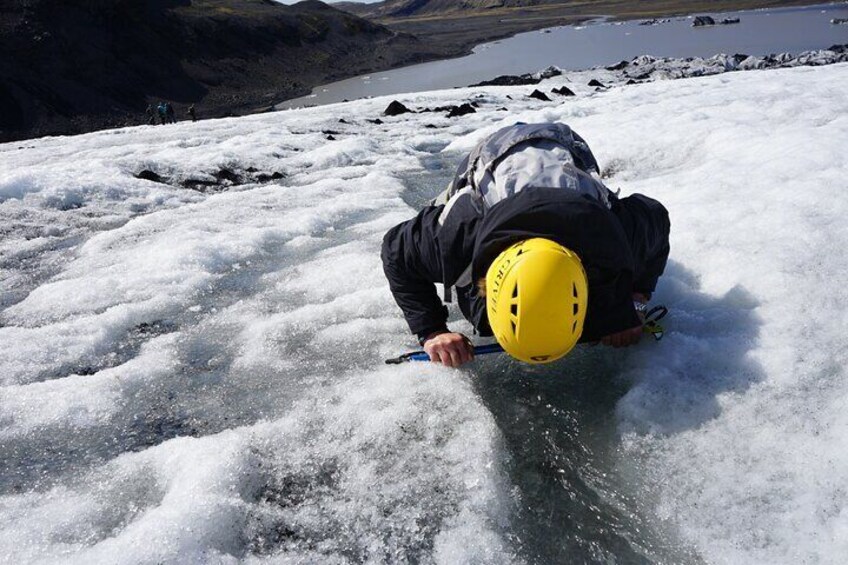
193, 376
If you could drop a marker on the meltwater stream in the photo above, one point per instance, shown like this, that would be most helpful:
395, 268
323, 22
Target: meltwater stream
571, 503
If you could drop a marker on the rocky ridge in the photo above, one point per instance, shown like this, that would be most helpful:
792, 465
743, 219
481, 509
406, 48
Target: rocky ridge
71, 67
646, 68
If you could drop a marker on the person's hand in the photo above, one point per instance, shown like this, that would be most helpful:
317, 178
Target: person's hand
625, 338
449, 348
631, 336
639, 297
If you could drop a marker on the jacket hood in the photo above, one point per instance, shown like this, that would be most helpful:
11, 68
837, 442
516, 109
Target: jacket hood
576, 222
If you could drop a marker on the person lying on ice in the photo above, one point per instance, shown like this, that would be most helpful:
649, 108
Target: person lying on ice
541, 254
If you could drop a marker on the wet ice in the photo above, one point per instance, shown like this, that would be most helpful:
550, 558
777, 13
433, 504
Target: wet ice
197, 377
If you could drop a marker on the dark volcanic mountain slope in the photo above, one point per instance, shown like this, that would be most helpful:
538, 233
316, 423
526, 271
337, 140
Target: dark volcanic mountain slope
68, 67
406, 8
400, 10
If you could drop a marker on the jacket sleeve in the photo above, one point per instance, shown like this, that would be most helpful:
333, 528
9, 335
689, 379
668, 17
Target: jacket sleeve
412, 264
646, 225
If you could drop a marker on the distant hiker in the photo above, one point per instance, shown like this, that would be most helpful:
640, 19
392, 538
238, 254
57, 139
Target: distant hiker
192, 113
541, 253
151, 115
163, 113
169, 112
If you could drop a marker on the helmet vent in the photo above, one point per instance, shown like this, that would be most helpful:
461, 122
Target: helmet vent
515, 291
514, 309
574, 289
513, 325
574, 326
576, 309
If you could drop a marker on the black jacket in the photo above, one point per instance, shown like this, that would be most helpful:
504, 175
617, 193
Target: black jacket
623, 249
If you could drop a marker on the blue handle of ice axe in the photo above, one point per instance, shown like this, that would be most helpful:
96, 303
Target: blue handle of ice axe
422, 356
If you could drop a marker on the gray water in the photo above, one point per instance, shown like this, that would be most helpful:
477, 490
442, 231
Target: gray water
759, 32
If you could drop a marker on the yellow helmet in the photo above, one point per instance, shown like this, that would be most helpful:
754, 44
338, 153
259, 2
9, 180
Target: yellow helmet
536, 296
